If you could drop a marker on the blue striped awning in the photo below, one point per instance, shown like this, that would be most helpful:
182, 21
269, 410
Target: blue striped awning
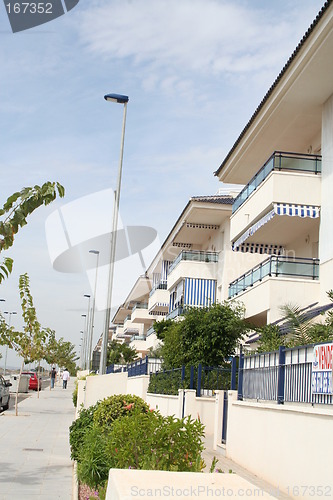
199, 292
297, 210
289, 209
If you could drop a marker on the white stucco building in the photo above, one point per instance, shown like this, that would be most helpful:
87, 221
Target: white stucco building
284, 156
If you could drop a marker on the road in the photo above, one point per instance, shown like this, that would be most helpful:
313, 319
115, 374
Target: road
24, 395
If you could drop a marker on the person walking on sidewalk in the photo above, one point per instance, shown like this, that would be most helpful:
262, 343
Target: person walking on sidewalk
65, 378
53, 376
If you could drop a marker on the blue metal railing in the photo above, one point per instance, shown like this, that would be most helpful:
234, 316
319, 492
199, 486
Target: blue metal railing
281, 376
204, 379
279, 161
275, 265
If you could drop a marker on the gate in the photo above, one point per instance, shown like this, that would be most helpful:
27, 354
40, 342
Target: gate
224, 417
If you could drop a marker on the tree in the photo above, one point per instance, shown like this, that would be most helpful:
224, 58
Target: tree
66, 355
299, 328
208, 336
15, 212
270, 338
120, 353
33, 342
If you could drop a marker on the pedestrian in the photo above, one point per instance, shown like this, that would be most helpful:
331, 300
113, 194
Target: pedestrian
65, 378
53, 376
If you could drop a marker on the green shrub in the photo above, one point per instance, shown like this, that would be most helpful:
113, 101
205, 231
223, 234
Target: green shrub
78, 430
151, 441
141, 440
93, 467
113, 407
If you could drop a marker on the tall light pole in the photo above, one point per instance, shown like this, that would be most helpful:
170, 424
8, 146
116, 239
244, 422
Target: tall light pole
95, 252
88, 331
9, 322
84, 341
81, 345
121, 99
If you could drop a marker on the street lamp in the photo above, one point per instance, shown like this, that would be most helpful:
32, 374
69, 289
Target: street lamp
83, 341
9, 321
95, 252
88, 332
120, 99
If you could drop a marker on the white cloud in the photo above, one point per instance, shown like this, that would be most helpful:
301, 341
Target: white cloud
168, 40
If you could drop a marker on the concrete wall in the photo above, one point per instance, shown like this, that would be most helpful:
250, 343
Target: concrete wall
166, 405
102, 386
290, 446
81, 392
138, 386
202, 408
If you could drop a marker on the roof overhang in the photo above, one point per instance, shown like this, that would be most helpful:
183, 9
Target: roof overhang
198, 218
289, 118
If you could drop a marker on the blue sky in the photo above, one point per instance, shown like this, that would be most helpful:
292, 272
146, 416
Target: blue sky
195, 70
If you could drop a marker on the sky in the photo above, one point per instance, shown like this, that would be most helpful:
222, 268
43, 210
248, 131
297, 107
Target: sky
194, 71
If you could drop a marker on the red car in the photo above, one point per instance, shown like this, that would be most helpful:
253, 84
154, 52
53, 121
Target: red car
33, 380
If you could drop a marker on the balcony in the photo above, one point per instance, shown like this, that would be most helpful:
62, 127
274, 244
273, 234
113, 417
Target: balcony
289, 162
160, 286
274, 267
158, 302
140, 314
175, 313
193, 264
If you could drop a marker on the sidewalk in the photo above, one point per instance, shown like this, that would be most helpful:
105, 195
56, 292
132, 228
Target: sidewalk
35, 457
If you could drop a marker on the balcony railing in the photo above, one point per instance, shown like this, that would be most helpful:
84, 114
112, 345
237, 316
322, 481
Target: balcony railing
138, 337
287, 162
150, 331
140, 305
128, 317
159, 286
194, 256
276, 266
175, 313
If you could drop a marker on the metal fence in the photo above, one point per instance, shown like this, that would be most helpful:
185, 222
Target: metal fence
204, 379
282, 376
143, 366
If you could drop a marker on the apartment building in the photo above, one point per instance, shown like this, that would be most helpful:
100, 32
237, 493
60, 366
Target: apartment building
284, 157
193, 268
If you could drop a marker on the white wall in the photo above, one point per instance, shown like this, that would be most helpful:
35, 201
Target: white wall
166, 405
138, 386
326, 214
102, 386
286, 445
202, 408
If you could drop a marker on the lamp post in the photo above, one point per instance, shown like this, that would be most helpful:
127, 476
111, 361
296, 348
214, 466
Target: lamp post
9, 322
95, 252
84, 341
120, 99
87, 332
81, 345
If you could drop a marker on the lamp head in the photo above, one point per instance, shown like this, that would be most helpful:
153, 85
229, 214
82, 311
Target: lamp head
122, 99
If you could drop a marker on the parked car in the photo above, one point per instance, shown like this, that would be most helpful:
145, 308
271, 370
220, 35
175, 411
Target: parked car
33, 380
4, 393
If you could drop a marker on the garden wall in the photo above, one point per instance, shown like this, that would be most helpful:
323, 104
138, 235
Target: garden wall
167, 405
289, 445
138, 386
101, 387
